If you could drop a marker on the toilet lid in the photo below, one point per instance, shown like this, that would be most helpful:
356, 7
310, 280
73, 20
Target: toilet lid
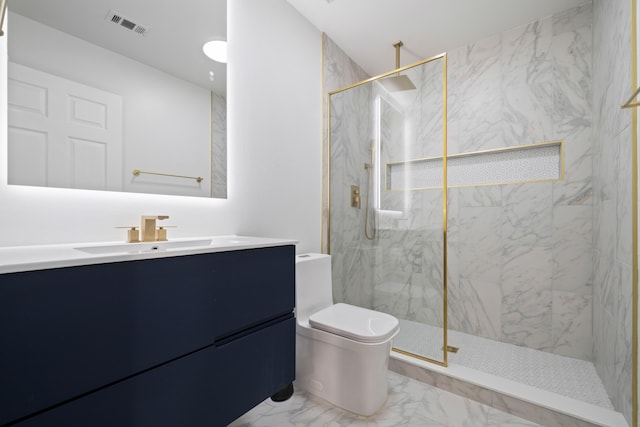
356, 323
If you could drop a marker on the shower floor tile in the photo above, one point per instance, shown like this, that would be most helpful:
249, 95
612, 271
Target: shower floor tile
566, 376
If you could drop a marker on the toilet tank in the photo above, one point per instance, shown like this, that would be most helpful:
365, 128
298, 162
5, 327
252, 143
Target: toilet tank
313, 284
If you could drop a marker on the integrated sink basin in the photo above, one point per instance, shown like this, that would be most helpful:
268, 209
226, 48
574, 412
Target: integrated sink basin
39, 257
136, 248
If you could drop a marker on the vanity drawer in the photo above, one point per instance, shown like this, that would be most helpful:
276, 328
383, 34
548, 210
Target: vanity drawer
211, 387
65, 332
253, 288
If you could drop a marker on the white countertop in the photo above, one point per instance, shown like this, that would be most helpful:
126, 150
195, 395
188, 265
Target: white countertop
26, 258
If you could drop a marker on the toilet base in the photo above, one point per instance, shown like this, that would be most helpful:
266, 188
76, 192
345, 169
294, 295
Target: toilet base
346, 373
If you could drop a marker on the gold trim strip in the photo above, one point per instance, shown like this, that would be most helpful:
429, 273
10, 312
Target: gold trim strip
417, 356
322, 147
630, 104
211, 150
328, 154
533, 181
560, 143
488, 151
138, 172
634, 216
3, 11
388, 73
445, 304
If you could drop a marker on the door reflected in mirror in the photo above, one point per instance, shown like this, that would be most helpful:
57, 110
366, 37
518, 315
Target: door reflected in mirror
99, 89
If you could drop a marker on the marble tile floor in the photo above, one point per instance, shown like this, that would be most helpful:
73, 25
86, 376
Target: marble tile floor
566, 376
410, 403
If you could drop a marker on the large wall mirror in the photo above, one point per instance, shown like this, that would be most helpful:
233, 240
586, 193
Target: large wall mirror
117, 95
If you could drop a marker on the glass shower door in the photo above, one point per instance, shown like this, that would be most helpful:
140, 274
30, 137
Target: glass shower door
387, 201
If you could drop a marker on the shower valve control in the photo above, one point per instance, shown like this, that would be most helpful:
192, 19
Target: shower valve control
355, 196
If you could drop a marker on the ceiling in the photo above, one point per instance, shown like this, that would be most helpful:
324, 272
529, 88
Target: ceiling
367, 29
174, 40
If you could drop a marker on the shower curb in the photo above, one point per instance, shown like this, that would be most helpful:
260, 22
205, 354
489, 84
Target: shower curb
448, 379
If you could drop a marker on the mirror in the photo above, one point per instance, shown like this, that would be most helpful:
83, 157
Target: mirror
117, 95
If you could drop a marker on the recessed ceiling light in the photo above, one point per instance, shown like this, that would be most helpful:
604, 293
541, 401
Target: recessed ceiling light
216, 50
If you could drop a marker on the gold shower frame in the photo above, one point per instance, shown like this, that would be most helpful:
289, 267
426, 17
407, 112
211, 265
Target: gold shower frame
327, 157
634, 210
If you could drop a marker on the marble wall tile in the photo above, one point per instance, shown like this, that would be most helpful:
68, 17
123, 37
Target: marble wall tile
572, 325
571, 52
528, 44
483, 196
481, 260
623, 352
428, 109
339, 69
612, 177
578, 152
527, 298
480, 82
604, 341
567, 193
455, 100
527, 86
624, 203
604, 235
572, 249
475, 308
454, 202
527, 214
358, 272
573, 19
577, 186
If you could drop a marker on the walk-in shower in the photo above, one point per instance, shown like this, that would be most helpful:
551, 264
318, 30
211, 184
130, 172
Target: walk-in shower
483, 235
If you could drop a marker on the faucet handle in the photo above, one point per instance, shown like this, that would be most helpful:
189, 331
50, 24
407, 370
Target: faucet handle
161, 232
133, 235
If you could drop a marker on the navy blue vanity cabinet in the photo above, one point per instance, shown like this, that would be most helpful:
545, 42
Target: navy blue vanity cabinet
186, 340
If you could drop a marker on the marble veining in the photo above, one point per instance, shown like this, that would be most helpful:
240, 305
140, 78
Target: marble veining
410, 403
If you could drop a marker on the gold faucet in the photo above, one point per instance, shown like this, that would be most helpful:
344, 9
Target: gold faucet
148, 227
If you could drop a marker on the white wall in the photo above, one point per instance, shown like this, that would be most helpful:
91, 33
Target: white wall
275, 120
274, 150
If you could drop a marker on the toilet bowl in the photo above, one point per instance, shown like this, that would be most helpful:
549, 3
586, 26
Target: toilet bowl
342, 351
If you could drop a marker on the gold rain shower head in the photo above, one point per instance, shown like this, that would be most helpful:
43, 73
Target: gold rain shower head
399, 82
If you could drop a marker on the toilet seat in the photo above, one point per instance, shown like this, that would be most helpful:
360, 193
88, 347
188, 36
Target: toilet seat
356, 323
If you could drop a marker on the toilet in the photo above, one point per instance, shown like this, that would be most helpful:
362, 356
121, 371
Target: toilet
342, 351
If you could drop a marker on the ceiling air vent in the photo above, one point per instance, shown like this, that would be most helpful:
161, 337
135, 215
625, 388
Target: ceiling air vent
124, 22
